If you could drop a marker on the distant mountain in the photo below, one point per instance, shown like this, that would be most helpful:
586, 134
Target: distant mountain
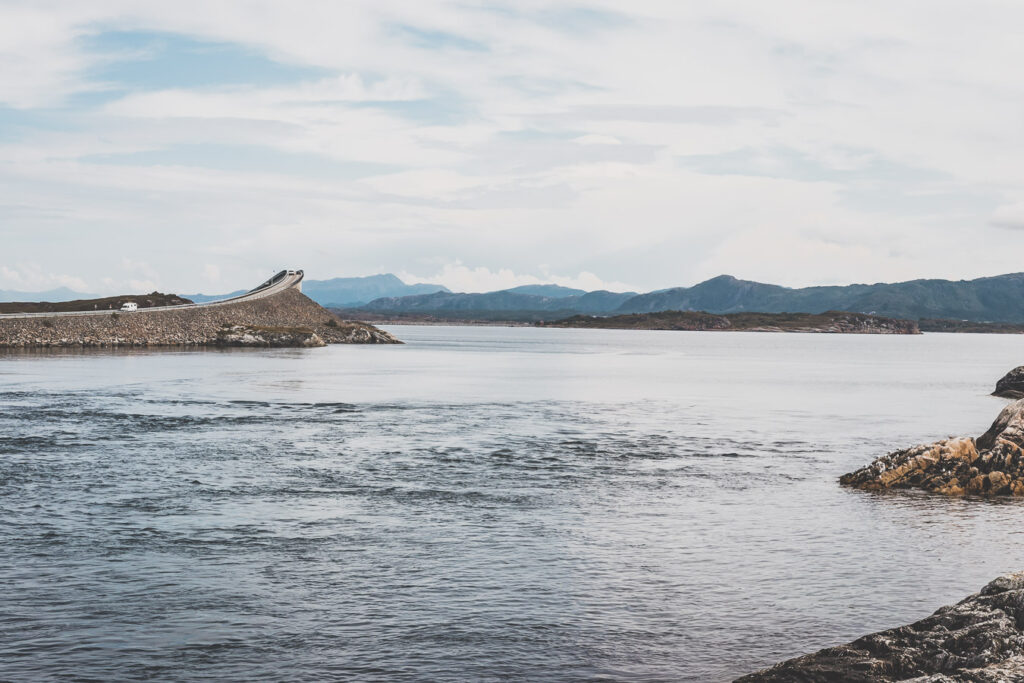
989, 299
602, 301
342, 292
58, 294
204, 298
551, 291
997, 299
506, 300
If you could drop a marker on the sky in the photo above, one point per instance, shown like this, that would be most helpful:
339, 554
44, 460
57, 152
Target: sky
200, 146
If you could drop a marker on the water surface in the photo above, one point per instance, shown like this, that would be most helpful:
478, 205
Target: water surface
481, 504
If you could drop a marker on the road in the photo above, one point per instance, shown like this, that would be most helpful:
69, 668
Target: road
286, 279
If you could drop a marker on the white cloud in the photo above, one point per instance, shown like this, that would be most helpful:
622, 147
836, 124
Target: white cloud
597, 140
459, 277
558, 143
31, 277
1009, 216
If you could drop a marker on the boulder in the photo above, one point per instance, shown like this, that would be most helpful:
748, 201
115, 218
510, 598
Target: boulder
978, 639
1011, 385
991, 465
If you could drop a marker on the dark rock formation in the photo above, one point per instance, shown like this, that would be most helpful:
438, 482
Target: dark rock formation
191, 326
1011, 385
979, 639
991, 465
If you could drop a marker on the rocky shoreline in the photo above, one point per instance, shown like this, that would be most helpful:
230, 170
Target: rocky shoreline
991, 465
978, 640
981, 638
288, 318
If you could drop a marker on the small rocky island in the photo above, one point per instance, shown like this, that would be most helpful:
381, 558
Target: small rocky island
833, 322
287, 318
979, 639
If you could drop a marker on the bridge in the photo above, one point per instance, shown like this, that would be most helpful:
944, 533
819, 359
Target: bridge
286, 279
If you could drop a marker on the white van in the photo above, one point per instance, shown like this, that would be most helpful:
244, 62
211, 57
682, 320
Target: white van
129, 307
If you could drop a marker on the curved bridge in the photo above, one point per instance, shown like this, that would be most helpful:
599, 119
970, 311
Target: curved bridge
286, 279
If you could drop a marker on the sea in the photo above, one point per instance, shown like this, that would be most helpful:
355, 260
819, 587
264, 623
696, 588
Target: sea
482, 504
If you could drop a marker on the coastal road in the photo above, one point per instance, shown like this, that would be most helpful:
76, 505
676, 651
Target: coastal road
286, 279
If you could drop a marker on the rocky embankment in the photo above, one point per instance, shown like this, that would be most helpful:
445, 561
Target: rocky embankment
285, 319
991, 465
256, 335
979, 639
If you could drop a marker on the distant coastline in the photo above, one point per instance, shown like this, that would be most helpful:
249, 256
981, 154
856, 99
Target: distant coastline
766, 322
830, 322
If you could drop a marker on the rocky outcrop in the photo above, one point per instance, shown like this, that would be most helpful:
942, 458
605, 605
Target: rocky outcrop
289, 310
979, 639
991, 465
1011, 385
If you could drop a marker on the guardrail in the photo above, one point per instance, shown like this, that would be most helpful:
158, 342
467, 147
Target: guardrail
268, 288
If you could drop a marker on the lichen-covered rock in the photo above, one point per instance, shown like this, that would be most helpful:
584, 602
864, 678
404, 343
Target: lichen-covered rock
977, 640
991, 465
1011, 385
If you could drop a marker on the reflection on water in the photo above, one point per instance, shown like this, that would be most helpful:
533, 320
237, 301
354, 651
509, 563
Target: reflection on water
481, 503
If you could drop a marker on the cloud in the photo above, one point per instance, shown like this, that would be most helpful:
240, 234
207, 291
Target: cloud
1010, 217
653, 144
32, 277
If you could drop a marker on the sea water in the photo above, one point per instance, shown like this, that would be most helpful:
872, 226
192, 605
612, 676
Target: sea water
482, 503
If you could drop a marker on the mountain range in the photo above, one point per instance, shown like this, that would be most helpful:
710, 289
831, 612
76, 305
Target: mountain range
58, 294
989, 299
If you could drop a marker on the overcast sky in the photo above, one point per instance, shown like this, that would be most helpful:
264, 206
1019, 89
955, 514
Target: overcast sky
201, 145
